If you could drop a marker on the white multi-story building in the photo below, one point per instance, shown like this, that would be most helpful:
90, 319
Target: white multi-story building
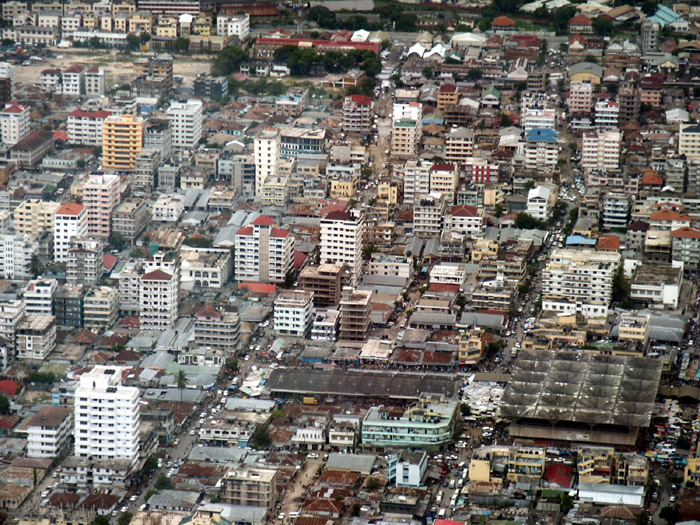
158, 300
467, 221
107, 418
129, 278
70, 221
234, 25
264, 253
416, 180
341, 241
580, 97
429, 215
689, 141
7, 70
579, 281
11, 313
607, 114
541, 150
539, 200
410, 110
459, 145
357, 114
268, 145
14, 123
36, 337
101, 196
601, 150
186, 118
74, 80
95, 81
538, 118
16, 255
38, 296
84, 261
85, 127
49, 432
294, 313
169, 208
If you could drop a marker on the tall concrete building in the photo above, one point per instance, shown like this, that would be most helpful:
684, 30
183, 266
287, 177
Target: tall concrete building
70, 220
186, 119
264, 252
83, 261
341, 241
14, 123
357, 114
122, 141
35, 217
355, 315
601, 150
158, 298
100, 197
267, 156
649, 36
107, 418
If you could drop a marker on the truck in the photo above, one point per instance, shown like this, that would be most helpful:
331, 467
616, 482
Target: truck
310, 401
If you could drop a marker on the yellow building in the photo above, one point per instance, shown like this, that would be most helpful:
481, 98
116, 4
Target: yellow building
483, 248
122, 141
344, 188
497, 464
493, 196
120, 23
390, 191
34, 216
140, 22
634, 327
202, 26
692, 472
167, 27
472, 346
595, 464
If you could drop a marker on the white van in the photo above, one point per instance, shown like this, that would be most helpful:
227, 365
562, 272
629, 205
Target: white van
441, 513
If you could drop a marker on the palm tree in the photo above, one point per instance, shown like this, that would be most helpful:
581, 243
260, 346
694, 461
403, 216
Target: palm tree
182, 381
35, 266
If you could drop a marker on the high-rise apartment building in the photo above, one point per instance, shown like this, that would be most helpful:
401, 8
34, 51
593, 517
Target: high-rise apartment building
35, 217
159, 137
579, 281
83, 261
580, 97
107, 417
14, 123
122, 140
85, 128
267, 156
264, 252
689, 141
601, 150
355, 315
38, 296
649, 35
70, 220
459, 145
357, 114
341, 241
101, 196
159, 297
186, 119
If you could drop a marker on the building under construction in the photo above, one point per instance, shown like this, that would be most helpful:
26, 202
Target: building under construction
580, 397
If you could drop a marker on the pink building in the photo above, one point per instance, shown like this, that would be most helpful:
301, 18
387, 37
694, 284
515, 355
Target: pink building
100, 197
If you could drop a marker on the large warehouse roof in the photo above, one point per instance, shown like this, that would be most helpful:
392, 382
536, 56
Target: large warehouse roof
362, 384
582, 387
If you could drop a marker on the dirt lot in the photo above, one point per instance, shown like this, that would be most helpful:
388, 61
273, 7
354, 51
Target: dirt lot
117, 66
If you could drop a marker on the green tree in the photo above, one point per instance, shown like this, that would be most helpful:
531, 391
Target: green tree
528, 222
465, 409
373, 483
41, 377
643, 518
228, 60
649, 7
368, 250
602, 26
81, 164
670, 514
35, 266
182, 45
199, 242
498, 211
261, 437
474, 74
150, 465
620, 286
4, 405
117, 241
133, 41
101, 520
163, 483
125, 518
356, 509
182, 381
144, 37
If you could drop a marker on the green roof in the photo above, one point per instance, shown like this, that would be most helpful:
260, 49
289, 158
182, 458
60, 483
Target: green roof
492, 91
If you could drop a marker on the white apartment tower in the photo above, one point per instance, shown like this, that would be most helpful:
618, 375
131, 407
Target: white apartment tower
580, 97
264, 253
186, 118
38, 296
70, 221
107, 416
579, 281
267, 156
601, 150
158, 300
14, 123
341, 241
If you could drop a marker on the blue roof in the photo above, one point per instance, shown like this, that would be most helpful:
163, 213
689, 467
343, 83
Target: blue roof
664, 15
579, 240
542, 135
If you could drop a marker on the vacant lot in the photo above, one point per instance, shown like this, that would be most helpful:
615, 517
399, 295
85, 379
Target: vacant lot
118, 66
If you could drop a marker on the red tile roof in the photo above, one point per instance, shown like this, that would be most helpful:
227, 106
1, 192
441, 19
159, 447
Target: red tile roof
580, 20
100, 114
157, 275
299, 259
8, 387
361, 100
463, 210
279, 232
502, 21
264, 220
75, 68
71, 208
246, 230
443, 167
608, 242
669, 215
257, 287
686, 233
109, 261
652, 179
13, 107
562, 475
